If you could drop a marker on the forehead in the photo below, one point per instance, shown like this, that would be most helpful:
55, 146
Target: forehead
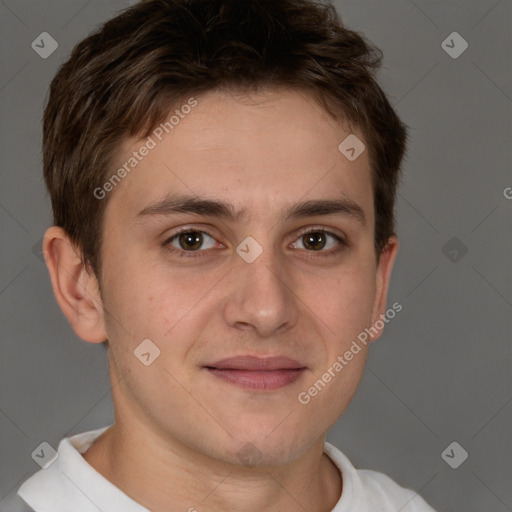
258, 151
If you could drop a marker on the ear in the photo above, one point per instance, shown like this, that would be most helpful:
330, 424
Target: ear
383, 276
75, 286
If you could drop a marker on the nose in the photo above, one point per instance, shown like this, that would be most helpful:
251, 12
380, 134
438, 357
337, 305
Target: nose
261, 296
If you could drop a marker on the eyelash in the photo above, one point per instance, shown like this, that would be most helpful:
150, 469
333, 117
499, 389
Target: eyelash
198, 254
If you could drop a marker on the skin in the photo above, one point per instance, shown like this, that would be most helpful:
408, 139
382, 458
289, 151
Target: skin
178, 430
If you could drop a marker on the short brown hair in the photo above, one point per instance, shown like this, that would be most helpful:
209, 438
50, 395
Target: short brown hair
124, 79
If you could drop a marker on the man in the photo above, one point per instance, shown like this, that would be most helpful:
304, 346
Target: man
223, 178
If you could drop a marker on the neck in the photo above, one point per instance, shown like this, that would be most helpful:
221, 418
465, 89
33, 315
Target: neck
163, 474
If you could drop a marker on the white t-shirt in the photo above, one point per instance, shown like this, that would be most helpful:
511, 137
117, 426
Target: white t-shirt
70, 483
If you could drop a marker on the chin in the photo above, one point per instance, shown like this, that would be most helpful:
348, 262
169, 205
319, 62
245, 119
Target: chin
260, 449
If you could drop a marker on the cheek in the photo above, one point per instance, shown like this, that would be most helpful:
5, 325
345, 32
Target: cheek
344, 304
343, 301
155, 301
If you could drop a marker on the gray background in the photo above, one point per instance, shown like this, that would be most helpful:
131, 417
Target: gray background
440, 373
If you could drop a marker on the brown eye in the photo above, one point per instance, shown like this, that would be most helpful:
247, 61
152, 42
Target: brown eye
314, 240
318, 240
191, 241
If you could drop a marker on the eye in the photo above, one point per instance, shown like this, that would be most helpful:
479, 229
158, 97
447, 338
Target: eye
317, 240
189, 241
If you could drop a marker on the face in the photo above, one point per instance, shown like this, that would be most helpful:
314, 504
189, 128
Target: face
207, 253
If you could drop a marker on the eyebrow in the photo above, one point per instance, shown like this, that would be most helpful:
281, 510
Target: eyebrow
214, 208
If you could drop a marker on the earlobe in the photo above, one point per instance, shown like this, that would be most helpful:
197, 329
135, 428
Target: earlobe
74, 285
383, 277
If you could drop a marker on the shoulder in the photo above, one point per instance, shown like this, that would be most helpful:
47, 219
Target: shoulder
39, 490
380, 489
370, 490
13, 503
62, 480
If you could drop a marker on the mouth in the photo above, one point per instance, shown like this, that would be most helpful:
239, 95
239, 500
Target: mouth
257, 374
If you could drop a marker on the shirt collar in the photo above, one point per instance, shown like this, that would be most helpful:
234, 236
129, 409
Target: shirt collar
71, 480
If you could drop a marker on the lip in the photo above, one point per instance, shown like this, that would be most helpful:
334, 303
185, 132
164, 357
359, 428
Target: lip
257, 374
253, 363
